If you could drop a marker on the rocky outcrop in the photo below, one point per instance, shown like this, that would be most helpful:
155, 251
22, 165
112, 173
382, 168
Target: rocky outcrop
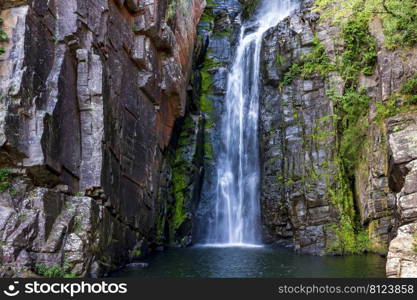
301, 142
90, 94
109, 119
391, 201
298, 141
402, 255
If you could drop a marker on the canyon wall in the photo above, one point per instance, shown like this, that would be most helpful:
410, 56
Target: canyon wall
90, 92
109, 119
337, 180
297, 142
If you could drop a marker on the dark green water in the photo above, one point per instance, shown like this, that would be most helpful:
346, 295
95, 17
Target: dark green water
253, 263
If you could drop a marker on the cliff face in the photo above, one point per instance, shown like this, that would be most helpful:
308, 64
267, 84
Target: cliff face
90, 93
109, 118
297, 141
336, 180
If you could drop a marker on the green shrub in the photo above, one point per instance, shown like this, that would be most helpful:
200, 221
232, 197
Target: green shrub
3, 36
386, 110
249, 8
137, 253
315, 62
4, 179
360, 54
409, 89
399, 17
394, 105
400, 23
348, 239
55, 271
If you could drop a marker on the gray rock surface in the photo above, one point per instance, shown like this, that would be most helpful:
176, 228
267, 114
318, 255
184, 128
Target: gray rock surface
90, 93
298, 141
298, 147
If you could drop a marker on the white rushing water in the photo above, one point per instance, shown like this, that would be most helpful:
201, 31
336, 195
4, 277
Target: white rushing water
237, 209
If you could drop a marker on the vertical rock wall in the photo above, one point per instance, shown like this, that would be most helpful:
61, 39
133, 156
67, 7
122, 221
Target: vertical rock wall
300, 144
90, 92
298, 141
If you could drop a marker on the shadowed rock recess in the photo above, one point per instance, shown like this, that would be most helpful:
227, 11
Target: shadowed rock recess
110, 115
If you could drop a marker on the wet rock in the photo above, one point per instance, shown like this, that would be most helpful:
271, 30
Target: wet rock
297, 168
402, 257
138, 265
90, 94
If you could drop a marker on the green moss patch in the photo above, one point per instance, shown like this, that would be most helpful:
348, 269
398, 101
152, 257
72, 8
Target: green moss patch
3, 36
399, 17
314, 63
4, 179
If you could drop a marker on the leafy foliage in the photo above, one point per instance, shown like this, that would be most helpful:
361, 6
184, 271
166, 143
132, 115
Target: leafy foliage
409, 89
400, 23
4, 179
249, 8
400, 102
388, 109
315, 62
55, 271
351, 110
399, 17
349, 237
3, 36
348, 240
360, 52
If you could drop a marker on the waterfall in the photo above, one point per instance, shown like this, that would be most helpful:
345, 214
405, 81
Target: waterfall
237, 208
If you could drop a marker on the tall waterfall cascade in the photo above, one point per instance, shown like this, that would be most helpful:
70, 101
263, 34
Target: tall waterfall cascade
236, 218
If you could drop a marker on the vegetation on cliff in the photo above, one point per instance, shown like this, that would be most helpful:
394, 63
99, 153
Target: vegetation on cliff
4, 179
55, 271
356, 58
399, 17
401, 101
249, 7
3, 36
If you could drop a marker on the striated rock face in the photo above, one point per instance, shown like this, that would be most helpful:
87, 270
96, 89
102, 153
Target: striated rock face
388, 195
298, 141
108, 134
300, 152
402, 255
90, 93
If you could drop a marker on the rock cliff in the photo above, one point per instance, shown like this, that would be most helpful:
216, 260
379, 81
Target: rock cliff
109, 119
90, 92
298, 141
338, 137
